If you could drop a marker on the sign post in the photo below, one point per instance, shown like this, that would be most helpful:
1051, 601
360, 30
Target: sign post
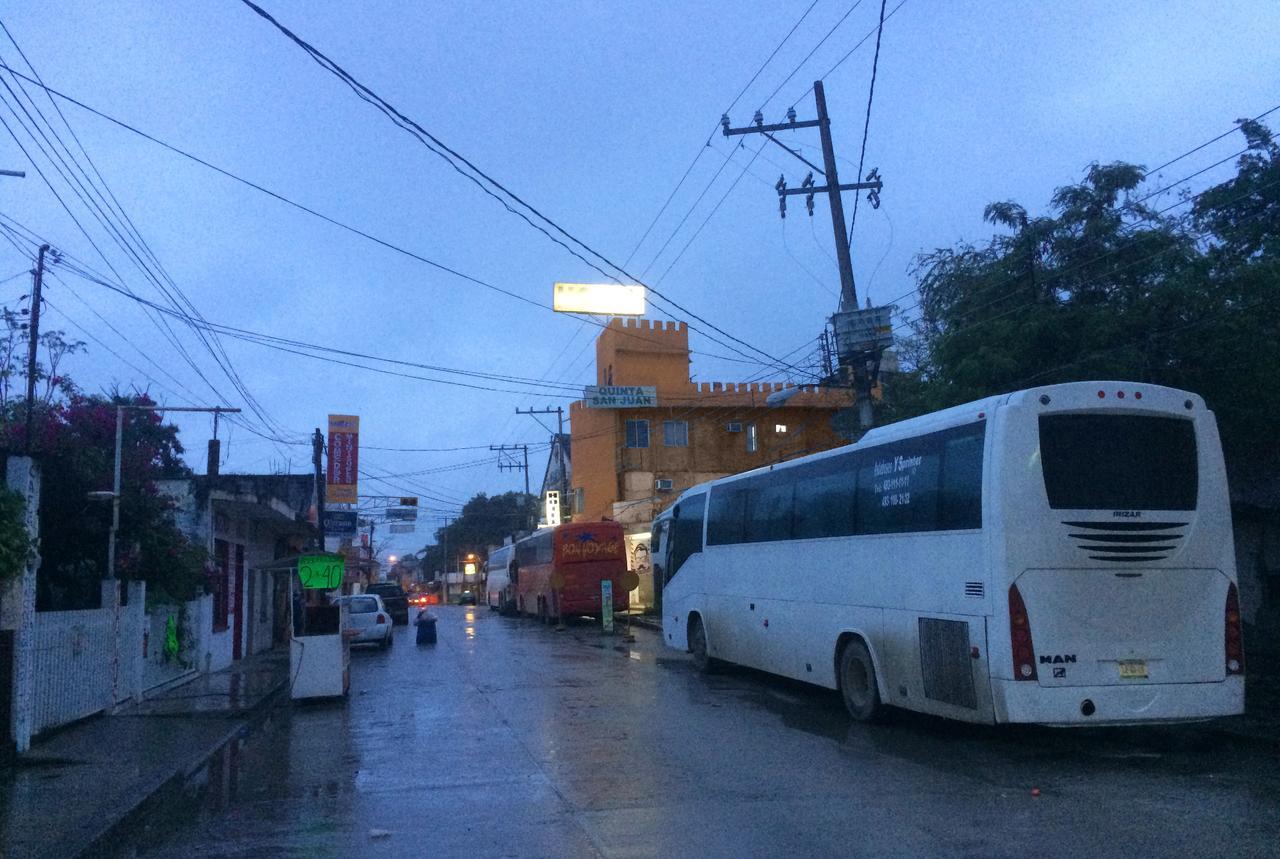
606, 605
630, 581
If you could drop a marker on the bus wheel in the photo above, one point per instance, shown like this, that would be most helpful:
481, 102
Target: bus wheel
698, 647
857, 676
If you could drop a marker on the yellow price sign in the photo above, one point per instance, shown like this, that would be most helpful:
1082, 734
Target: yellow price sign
630, 580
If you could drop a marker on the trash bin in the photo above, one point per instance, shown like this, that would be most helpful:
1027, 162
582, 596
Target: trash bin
426, 624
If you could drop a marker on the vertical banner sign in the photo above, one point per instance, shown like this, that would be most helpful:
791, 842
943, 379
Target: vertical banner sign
606, 604
551, 508
344, 459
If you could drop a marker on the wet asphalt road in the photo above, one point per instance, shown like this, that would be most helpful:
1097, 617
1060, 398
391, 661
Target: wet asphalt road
510, 739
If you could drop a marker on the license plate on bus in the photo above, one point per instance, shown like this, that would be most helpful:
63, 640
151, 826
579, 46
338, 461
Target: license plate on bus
1133, 669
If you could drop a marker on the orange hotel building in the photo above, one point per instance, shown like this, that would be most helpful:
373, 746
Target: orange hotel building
628, 464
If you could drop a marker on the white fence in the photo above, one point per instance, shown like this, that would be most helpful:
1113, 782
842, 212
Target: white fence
87, 661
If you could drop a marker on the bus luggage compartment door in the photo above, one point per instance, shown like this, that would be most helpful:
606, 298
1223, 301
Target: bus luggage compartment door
1105, 627
937, 663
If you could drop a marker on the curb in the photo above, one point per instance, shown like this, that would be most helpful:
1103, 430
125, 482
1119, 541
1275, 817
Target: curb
166, 787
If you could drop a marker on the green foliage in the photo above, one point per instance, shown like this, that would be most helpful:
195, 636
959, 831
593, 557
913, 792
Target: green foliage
1106, 286
74, 437
15, 543
485, 521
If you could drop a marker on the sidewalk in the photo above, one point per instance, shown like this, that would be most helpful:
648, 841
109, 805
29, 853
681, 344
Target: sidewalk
638, 619
71, 789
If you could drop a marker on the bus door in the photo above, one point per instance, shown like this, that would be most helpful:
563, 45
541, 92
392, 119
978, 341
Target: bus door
683, 589
659, 542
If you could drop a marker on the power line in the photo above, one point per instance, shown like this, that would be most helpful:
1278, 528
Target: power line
800, 64
851, 51
326, 218
866, 125
449, 154
1175, 246
106, 215
711, 135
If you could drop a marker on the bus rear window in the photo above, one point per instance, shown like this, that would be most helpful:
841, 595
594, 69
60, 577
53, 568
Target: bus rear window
1119, 462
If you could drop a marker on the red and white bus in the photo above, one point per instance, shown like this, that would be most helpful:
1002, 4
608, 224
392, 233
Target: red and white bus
584, 553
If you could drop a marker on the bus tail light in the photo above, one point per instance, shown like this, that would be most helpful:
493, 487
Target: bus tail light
1234, 634
1024, 652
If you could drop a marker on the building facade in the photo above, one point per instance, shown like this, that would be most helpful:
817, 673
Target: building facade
629, 462
246, 521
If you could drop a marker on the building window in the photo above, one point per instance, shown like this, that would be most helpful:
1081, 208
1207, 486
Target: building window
780, 428
675, 433
753, 441
637, 433
579, 500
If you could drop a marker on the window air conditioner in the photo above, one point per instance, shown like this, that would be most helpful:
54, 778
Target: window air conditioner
733, 426
662, 484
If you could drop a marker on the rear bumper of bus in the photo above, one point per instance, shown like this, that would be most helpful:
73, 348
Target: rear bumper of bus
1029, 702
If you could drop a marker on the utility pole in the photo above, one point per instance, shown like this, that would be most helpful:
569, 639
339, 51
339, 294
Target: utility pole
444, 562
33, 344
506, 460
317, 459
833, 188
559, 444
861, 335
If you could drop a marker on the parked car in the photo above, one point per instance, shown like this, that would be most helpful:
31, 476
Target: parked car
467, 597
370, 622
394, 598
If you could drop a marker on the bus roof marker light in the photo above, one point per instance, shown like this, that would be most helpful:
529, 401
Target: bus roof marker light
1102, 395
1044, 399
1187, 405
1137, 395
1120, 395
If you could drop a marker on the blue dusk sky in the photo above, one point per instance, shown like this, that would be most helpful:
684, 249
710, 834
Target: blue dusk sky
590, 111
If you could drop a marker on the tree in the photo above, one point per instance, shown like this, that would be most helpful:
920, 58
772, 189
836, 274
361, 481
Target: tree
485, 521
74, 436
1106, 286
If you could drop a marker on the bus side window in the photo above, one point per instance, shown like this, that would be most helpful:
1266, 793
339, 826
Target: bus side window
686, 533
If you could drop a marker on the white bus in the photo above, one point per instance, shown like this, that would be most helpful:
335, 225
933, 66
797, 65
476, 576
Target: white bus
497, 577
1061, 555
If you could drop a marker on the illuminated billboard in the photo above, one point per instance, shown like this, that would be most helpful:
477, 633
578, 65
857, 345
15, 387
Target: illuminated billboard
607, 299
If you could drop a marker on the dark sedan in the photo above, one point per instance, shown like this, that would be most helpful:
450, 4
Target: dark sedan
395, 599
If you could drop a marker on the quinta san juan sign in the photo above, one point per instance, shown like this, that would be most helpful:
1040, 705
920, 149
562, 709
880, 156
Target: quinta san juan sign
621, 396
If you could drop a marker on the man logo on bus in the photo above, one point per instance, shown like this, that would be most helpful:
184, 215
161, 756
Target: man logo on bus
1058, 659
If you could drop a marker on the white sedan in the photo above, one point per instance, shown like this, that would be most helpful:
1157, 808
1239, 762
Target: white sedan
370, 622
